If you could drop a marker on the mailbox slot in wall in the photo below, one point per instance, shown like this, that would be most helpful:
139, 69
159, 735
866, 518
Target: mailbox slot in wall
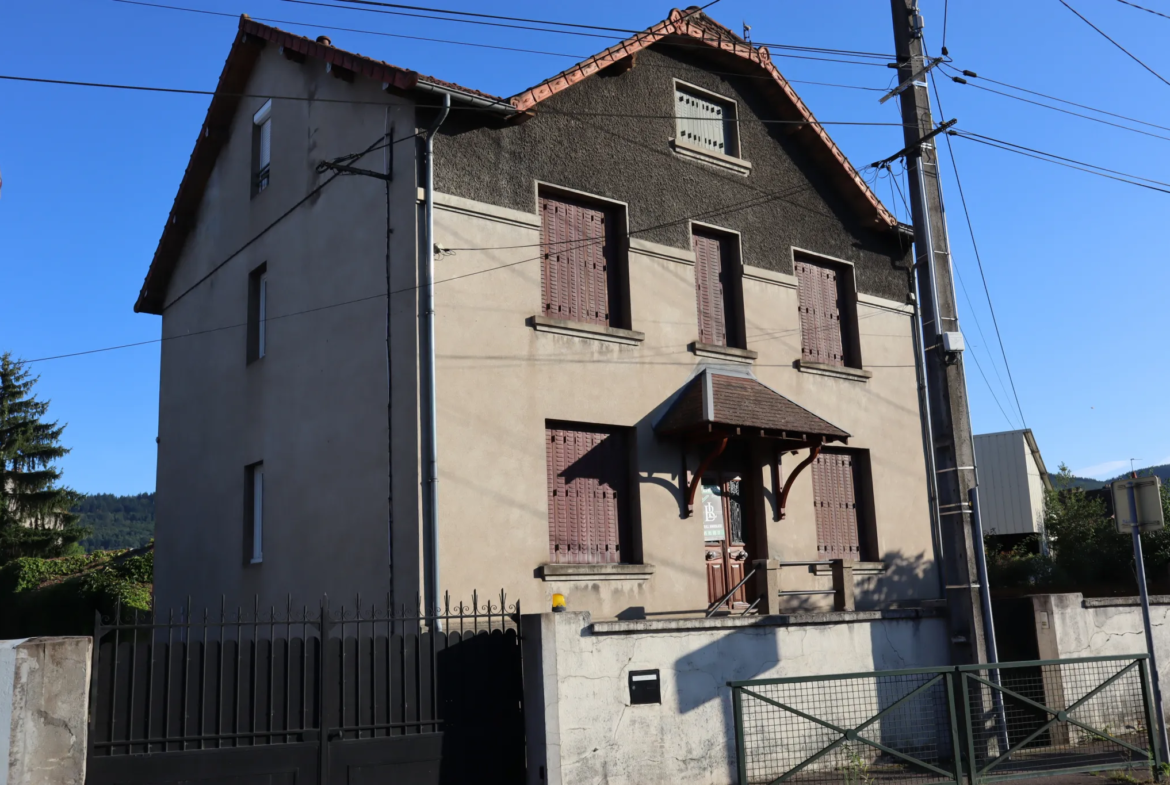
645, 687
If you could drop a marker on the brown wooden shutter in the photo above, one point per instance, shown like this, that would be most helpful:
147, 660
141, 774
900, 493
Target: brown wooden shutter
818, 288
576, 254
587, 480
835, 499
711, 301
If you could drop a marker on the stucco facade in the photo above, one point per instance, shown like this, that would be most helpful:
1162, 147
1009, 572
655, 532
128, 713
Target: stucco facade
334, 415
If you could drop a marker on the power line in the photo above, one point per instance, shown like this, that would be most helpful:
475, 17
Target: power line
959, 80
1143, 8
1132, 56
521, 50
626, 31
974, 75
588, 35
982, 273
1071, 163
546, 110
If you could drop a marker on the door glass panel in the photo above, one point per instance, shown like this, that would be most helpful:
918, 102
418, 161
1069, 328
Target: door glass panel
713, 526
735, 509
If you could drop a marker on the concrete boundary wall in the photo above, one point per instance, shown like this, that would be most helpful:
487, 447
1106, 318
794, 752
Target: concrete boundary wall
582, 727
44, 702
1070, 625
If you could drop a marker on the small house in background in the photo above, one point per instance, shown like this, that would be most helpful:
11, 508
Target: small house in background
1012, 481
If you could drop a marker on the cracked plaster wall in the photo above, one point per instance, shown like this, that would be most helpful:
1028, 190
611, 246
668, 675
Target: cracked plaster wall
1067, 626
591, 734
44, 699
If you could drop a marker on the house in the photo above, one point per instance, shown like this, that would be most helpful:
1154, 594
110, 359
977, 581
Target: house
673, 340
1012, 482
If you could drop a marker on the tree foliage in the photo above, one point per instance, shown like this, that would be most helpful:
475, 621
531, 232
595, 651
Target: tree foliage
35, 517
116, 522
1086, 552
60, 596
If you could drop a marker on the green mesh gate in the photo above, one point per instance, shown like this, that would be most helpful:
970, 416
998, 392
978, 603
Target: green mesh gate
938, 725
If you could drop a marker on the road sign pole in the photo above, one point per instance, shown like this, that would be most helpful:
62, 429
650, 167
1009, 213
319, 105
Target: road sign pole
1140, 564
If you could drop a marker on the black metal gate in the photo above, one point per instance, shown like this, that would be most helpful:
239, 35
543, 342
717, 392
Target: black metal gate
354, 695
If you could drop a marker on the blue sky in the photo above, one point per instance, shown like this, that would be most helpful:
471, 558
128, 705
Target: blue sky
1075, 263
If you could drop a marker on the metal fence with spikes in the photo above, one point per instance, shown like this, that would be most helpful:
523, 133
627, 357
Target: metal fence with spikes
184, 686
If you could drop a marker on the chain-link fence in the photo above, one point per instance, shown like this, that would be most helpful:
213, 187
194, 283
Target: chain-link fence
930, 725
1058, 716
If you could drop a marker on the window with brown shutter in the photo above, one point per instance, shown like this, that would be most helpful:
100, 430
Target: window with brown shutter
578, 276
588, 468
826, 314
842, 505
717, 290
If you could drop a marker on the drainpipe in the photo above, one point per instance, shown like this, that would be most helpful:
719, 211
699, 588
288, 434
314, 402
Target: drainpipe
431, 426
928, 445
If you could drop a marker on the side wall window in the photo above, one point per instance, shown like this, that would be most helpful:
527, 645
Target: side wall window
827, 313
705, 121
843, 505
588, 478
254, 513
257, 313
261, 147
718, 290
580, 276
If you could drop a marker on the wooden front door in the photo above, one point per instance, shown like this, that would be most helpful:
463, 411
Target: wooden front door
722, 513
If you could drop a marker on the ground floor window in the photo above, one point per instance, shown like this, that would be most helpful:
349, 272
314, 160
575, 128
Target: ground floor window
588, 479
841, 492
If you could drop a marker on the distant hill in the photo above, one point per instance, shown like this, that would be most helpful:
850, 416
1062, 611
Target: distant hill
118, 522
1088, 483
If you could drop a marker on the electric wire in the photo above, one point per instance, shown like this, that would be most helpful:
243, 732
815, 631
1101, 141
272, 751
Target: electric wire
973, 75
679, 45
546, 110
1139, 7
1063, 111
520, 50
626, 31
1131, 55
722, 210
1070, 163
983, 277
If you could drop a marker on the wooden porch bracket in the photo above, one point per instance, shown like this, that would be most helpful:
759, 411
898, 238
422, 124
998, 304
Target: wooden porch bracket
698, 478
812, 456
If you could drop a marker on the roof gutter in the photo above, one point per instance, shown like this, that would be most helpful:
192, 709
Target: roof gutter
498, 104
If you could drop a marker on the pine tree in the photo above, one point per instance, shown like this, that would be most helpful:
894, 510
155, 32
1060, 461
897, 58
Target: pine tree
35, 517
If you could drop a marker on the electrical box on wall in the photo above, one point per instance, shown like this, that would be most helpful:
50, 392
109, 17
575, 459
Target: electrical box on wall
952, 342
645, 687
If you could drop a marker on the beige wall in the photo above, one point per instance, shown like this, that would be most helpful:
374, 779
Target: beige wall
499, 380
314, 410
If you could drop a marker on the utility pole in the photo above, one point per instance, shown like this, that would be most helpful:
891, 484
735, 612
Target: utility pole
949, 418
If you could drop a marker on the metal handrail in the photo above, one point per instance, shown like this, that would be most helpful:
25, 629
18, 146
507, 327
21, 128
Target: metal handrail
806, 591
723, 600
803, 563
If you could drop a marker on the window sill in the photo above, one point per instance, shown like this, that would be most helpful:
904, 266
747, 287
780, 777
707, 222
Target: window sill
730, 353
859, 568
687, 150
596, 572
836, 371
543, 324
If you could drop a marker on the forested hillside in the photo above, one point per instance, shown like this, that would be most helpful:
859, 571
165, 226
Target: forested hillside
118, 522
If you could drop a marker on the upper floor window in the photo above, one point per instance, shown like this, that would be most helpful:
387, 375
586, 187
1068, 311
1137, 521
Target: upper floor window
718, 290
261, 146
580, 274
827, 313
588, 478
706, 121
841, 491
258, 312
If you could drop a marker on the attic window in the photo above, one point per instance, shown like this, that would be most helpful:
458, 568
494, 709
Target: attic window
261, 146
705, 121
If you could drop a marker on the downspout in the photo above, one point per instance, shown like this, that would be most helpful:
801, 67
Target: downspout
928, 445
432, 427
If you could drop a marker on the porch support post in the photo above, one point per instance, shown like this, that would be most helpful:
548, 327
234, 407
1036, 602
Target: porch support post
843, 584
766, 585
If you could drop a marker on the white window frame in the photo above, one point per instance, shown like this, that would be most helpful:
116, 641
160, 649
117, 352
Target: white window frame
262, 317
263, 121
257, 513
